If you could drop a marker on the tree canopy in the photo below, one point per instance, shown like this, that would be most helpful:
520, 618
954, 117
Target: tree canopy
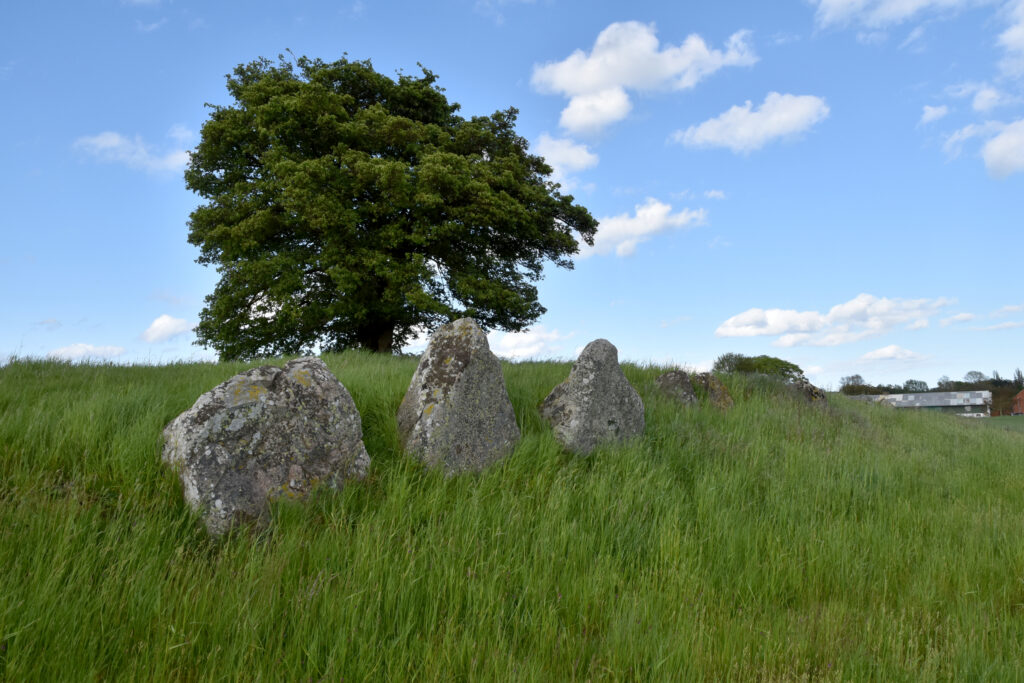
765, 365
348, 209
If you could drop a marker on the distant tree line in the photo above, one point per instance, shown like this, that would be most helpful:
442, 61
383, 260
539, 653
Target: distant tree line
1003, 390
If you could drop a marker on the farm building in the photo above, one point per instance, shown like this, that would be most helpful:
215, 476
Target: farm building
962, 403
1018, 404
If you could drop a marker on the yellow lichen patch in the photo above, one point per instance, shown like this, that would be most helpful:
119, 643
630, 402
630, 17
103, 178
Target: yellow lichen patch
429, 409
302, 377
251, 391
448, 360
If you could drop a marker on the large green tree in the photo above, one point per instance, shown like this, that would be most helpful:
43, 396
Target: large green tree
346, 209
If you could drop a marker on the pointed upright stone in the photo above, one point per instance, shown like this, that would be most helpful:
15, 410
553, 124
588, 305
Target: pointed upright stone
456, 414
596, 404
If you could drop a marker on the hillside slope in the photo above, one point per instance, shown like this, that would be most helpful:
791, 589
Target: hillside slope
777, 540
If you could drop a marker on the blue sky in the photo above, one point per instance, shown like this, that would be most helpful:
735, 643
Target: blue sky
839, 183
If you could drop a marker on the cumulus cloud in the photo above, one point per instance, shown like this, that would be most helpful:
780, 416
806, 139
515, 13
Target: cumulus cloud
714, 194
533, 343
933, 113
744, 129
1012, 308
111, 147
891, 352
628, 56
623, 232
165, 327
85, 351
861, 317
565, 157
1004, 153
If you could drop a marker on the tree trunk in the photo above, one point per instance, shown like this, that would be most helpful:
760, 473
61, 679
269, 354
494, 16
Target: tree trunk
377, 337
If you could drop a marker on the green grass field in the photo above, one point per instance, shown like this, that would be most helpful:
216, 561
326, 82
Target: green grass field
1014, 423
776, 541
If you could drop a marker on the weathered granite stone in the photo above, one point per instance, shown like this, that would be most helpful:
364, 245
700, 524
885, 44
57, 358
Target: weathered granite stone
676, 384
265, 433
456, 413
808, 391
596, 404
718, 395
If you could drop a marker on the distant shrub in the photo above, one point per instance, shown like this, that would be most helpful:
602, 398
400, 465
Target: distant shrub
764, 365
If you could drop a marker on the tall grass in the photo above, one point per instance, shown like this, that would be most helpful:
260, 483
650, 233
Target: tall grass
775, 541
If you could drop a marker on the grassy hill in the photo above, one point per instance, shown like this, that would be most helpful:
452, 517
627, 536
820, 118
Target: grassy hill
776, 541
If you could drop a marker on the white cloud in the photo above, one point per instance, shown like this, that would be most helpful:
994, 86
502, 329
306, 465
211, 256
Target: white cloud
150, 27
591, 112
743, 129
891, 352
986, 98
877, 13
872, 37
1012, 308
532, 343
623, 232
1004, 326
165, 327
1012, 40
491, 8
83, 351
1004, 154
113, 147
919, 324
930, 114
180, 134
861, 317
628, 55
913, 38
714, 194
954, 143
958, 318
565, 157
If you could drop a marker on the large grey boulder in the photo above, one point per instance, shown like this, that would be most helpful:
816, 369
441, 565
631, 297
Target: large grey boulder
456, 413
596, 404
265, 433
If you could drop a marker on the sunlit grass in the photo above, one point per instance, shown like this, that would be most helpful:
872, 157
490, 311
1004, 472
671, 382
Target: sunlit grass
776, 541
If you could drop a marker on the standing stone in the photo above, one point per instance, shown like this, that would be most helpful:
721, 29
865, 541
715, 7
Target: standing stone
718, 395
266, 433
808, 391
456, 413
676, 384
596, 404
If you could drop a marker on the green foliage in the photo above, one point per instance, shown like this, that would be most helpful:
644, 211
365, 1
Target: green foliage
765, 365
915, 386
775, 541
345, 209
